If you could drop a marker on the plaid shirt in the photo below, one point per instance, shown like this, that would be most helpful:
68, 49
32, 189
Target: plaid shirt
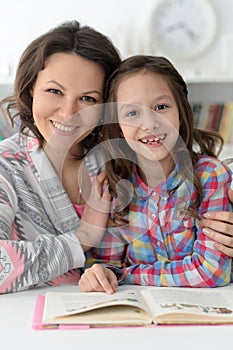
163, 247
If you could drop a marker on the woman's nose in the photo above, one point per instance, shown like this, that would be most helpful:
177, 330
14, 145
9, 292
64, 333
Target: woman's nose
68, 109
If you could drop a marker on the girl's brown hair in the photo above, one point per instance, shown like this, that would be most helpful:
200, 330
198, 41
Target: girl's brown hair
69, 37
206, 142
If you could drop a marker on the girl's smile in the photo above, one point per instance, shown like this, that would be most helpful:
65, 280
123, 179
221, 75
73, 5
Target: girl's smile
153, 140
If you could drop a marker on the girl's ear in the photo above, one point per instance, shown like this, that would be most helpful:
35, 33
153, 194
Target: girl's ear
121, 133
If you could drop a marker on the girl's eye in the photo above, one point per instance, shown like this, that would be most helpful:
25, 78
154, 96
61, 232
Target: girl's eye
161, 107
132, 113
89, 99
55, 91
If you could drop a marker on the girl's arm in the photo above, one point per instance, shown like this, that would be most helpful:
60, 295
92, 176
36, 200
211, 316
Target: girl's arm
103, 266
219, 227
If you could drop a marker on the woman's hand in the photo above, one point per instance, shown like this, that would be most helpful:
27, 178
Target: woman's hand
98, 279
219, 227
96, 213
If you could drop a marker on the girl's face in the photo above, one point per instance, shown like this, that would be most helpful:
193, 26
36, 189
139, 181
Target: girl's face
148, 117
67, 98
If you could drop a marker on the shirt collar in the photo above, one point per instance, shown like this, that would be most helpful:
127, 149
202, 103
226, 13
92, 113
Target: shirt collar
143, 191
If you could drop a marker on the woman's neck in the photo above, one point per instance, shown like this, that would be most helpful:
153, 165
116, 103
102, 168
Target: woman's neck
61, 158
71, 171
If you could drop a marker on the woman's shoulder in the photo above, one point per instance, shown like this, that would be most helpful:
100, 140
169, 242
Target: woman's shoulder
16, 147
10, 145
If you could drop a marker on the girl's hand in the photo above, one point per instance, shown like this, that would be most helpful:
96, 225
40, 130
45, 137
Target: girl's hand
96, 213
98, 279
219, 227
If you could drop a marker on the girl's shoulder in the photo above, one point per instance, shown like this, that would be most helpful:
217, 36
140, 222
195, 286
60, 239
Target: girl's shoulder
209, 165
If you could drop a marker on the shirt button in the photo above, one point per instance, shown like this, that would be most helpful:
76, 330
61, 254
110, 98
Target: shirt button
153, 216
153, 193
158, 244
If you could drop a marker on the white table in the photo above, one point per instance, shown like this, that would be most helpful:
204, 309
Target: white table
16, 312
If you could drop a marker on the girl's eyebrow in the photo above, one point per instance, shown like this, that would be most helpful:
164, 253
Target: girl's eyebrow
124, 105
84, 92
162, 97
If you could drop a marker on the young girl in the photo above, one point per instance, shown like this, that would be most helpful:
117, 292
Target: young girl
151, 147
58, 96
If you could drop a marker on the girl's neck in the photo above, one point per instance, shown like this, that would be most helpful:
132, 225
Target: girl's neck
153, 173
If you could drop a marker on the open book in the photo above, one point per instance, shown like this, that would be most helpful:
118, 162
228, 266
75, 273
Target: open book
150, 305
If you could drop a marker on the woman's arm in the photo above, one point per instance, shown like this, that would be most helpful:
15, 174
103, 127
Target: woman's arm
218, 225
35, 249
96, 213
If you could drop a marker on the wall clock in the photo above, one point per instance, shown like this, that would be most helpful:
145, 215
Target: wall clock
183, 28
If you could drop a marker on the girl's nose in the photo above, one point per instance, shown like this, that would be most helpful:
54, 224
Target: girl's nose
151, 122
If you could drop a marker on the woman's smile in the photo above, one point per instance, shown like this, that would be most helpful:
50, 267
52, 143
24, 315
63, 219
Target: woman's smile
62, 129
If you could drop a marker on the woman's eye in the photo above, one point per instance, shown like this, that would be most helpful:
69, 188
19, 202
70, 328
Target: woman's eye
88, 99
55, 91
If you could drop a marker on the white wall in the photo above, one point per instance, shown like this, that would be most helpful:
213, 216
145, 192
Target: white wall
21, 21
125, 21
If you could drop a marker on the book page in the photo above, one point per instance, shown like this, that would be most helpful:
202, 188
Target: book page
207, 302
62, 304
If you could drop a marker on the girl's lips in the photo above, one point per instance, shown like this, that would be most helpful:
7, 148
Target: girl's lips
153, 139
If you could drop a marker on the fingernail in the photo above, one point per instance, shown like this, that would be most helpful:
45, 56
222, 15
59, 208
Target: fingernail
206, 231
109, 291
106, 181
207, 215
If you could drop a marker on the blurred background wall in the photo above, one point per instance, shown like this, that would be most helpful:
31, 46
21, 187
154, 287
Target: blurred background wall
126, 22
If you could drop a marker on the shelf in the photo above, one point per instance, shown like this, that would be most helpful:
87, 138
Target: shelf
209, 79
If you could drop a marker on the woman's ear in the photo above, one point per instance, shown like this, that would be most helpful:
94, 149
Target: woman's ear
32, 91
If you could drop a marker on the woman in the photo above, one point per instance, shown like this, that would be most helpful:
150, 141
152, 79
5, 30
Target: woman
58, 96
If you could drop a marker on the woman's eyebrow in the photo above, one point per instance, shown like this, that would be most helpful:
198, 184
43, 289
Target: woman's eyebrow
92, 92
55, 82
84, 92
